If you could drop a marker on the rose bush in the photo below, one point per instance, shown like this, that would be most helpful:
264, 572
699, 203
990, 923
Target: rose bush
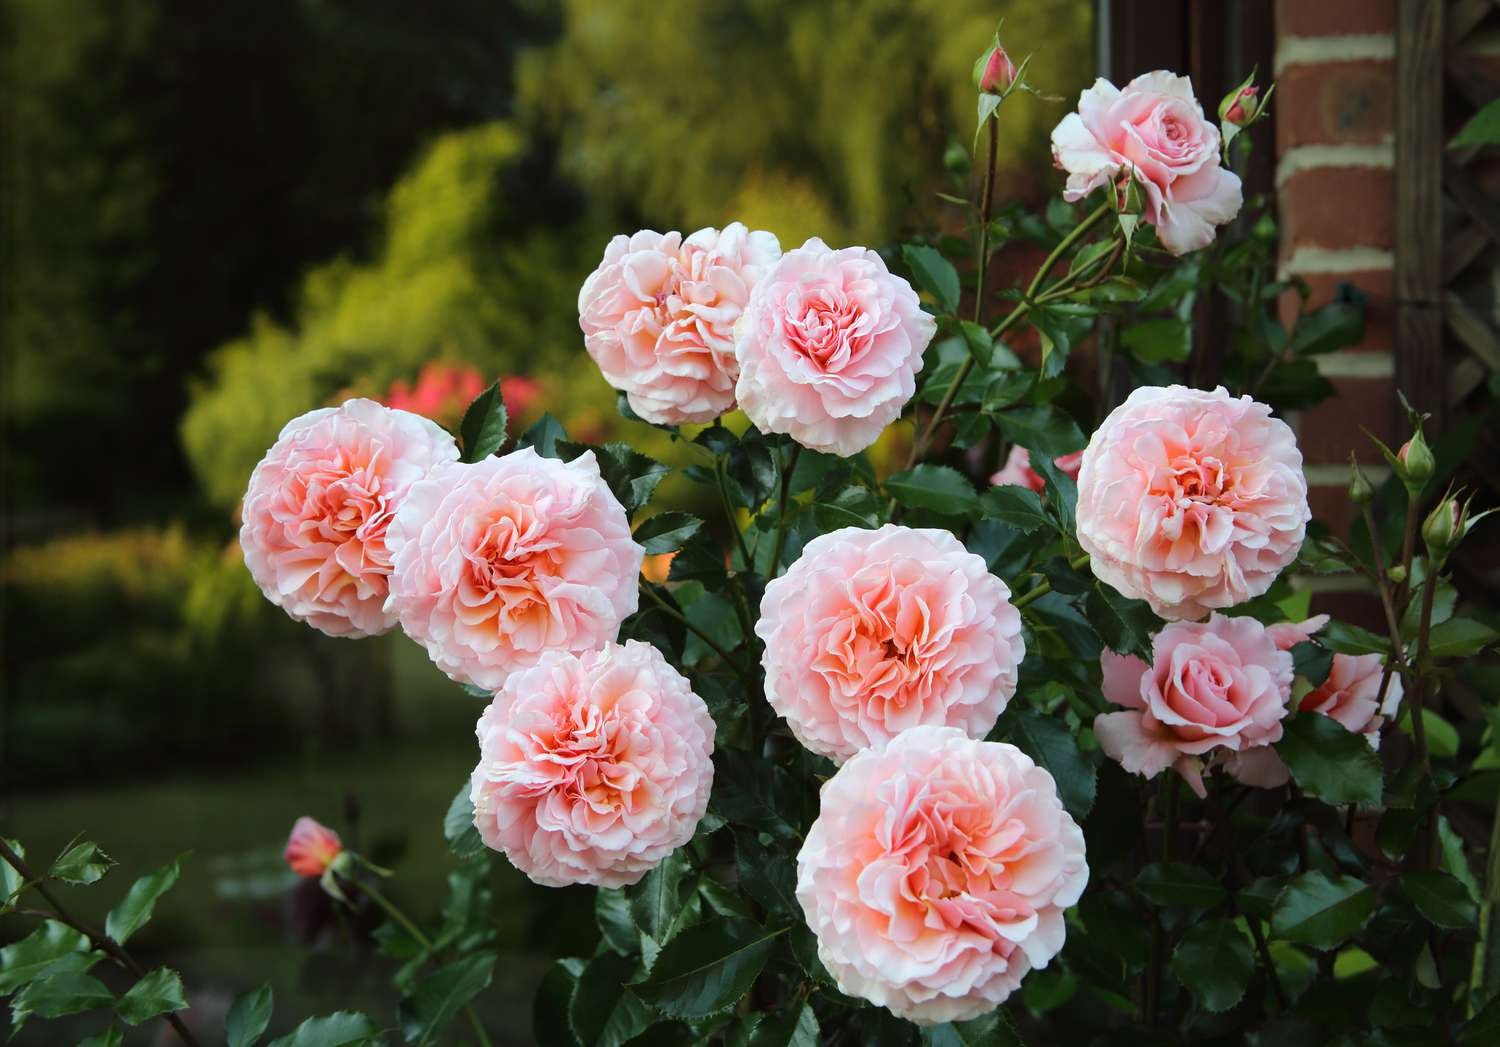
879, 757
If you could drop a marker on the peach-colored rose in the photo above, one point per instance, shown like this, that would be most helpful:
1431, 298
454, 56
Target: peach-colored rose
311, 848
870, 633
498, 561
1191, 501
829, 347
658, 317
1214, 689
1153, 130
594, 767
1017, 469
320, 503
1349, 694
937, 873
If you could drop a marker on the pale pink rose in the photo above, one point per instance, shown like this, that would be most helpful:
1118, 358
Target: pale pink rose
1214, 689
499, 561
1017, 469
1349, 694
658, 317
871, 633
1287, 635
937, 873
319, 506
1154, 129
829, 347
1191, 501
311, 848
594, 767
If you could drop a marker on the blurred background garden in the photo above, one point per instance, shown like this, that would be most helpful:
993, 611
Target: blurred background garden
220, 215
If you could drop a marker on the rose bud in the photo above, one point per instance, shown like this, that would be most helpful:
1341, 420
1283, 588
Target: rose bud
1240, 108
1414, 462
311, 848
1443, 528
994, 72
1360, 490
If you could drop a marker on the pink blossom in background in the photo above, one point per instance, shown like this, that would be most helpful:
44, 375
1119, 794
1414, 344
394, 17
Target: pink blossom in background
937, 873
1215, 690
1191, 501
311, 848
829, 348
593, 767
500, 560
318, 509
1154, 130
444, 391
870, 633
658, 317
1017, 469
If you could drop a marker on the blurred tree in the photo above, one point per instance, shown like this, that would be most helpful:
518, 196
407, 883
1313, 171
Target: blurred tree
826, 119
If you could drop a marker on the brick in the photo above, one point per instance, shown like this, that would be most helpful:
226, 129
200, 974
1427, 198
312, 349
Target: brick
1335, 103
1380, 310
1356, 608
1328, 432
1334, 207
1334, 17
1331, 506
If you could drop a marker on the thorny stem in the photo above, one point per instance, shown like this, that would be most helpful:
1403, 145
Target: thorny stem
1408, 545
1383, 583
1486, 913
103, 942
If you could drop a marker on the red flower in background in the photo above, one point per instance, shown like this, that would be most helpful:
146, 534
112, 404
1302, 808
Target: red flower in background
442, 391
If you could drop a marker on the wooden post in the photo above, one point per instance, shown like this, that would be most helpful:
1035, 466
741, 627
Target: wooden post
1419, 208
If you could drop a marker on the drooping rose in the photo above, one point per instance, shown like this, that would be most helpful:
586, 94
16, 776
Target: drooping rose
319, 507
937, 873
658, 317
1214, 691
1154, 133
503, 559
871, 633
1017, 469
311, 848
1191, 501
829, 347
593, 767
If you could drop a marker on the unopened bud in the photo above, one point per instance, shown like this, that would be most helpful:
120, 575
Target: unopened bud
994, 72
1414, 462
1443, 528
1360, 491
1241, 107
1397, 573
1129, 197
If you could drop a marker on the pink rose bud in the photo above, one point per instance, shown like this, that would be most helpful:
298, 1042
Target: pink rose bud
311, 848
994, 72
1414, 462
1243, 107
1443, 528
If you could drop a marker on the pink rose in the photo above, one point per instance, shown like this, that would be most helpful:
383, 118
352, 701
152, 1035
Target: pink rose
829, 348
1017, 469
871, 633
498, 561
658, 317
937, 873
311, 848
1350, 693
1154, 131
1191, 501
1218, 688
320, 503
594, 767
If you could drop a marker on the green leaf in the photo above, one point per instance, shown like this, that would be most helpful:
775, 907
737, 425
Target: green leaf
981, 344
656, 901
10, 879
110, 1037
933, 274
616, 927
1125, 625
1176, 883
632, 477
1330, 761
543, 436
1312, 662
1482, 129
854, 506
1482, 1030
1337, 325
158, 992
550, 1006
1043, 430
458, 826
1440, 898
1351, 639
666, 532
1164, 339
1460, 637
58, 994
83, 863
603, 1011
439, 996
991, 1030
52, 948
1214, 962
248, 1017
1322, 911
767, 876
139, 902
794, 1026
340, 1029
707, 968
483, 427
1054, 748
1015, 506
939, 488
